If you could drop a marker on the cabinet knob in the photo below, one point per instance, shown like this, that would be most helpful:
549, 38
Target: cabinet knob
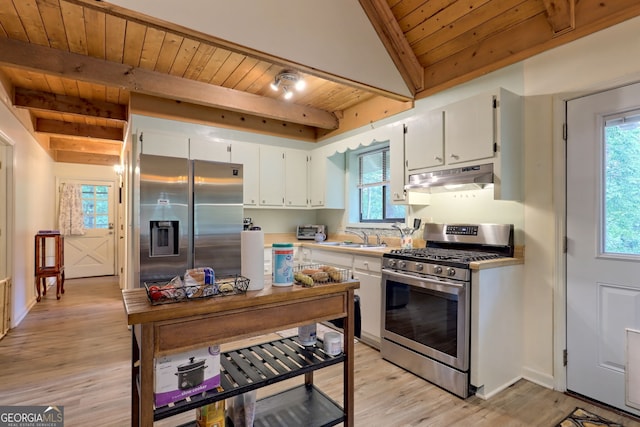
437, 158
454, 156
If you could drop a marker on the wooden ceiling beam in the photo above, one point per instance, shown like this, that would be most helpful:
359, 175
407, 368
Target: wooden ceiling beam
78, 130
86, 158
85, 146
561, 15
55, 103
183, 111
521, 41
395, 42
87, 69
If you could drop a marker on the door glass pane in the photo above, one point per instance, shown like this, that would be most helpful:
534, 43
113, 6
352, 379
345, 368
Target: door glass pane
95, 206
621, 182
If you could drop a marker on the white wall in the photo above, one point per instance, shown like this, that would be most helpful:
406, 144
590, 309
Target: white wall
33, 202
602, 60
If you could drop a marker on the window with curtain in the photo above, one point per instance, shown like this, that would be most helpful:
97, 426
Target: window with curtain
374, 188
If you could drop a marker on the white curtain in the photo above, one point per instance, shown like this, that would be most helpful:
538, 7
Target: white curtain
71, 219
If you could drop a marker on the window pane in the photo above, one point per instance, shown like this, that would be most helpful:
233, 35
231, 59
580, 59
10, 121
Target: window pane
371, 204
102, 221
622, 179
102, 207
95, 206
371, 168
393, 212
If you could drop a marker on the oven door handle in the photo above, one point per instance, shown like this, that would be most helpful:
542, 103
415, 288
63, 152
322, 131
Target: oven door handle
432, 279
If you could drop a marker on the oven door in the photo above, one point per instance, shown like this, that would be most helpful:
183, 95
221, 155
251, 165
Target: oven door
428, 315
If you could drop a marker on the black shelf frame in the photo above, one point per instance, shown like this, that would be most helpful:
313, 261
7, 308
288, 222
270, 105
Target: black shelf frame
303, 405
260, 365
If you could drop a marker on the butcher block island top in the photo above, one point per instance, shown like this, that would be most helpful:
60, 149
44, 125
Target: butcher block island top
181, 326
139, 309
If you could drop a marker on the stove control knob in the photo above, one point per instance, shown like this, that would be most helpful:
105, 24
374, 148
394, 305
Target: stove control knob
402, 264
419, 266
392, 263
451, 271
437, 269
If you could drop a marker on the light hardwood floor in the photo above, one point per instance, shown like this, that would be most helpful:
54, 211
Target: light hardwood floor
75, 352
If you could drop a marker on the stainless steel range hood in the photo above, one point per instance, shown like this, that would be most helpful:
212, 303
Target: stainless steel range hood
465, 177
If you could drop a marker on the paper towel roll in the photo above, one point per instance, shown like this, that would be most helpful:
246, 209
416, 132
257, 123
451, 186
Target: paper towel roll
252, 258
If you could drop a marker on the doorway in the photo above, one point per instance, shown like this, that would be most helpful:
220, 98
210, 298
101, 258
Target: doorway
603, 245
93, 253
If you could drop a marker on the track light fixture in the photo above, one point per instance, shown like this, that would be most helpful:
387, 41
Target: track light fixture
288, 80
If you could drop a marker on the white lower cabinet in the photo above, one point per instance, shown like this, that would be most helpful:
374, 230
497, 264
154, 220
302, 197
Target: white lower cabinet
368, 271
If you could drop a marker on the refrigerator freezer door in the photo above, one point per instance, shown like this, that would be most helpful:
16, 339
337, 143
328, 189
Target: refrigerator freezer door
218, 215
164, 201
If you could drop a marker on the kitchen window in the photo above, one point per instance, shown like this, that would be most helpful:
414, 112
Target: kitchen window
373, 187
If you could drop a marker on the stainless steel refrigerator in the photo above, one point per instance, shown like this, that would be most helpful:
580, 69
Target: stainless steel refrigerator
190, 215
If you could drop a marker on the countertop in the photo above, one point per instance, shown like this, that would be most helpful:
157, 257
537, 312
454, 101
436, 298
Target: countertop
378, 252
139, 310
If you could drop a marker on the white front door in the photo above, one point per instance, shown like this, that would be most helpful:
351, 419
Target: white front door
603, 242
93, 254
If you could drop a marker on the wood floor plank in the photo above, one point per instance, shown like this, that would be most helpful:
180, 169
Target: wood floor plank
75, 352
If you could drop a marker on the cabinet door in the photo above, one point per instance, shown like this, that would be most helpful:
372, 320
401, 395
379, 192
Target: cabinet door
317, 179
424, 141
469, 129
398, 171
368, 271
295, 188
272, 176
212, 151
248, 155
163, 144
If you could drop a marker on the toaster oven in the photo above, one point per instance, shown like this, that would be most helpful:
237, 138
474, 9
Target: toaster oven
308, 232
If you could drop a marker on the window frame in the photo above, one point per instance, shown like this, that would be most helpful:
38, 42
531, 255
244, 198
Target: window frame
385, 150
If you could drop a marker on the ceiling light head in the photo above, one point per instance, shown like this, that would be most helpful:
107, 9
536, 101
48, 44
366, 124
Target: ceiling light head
288, 94
287, 80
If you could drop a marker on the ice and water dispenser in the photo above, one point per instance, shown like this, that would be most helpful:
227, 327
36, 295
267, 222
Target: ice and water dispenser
164, 238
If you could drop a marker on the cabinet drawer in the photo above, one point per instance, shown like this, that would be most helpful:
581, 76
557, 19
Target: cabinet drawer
373, 264
337, 259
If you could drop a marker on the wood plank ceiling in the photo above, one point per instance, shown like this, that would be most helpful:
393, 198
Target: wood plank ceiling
81, 67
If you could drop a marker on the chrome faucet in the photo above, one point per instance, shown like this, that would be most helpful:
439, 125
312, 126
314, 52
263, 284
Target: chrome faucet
364, 236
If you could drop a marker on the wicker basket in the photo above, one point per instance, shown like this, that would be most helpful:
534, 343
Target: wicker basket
169, 292
335, 274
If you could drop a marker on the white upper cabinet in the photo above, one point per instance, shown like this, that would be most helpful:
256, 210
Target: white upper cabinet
326, 180
317, 178
209, 150
469, 129
424, 141
295, 189
283, 177
164, 144
248, 155
272, 176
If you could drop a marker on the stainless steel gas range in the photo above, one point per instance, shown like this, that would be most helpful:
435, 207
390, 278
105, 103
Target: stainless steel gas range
427, 300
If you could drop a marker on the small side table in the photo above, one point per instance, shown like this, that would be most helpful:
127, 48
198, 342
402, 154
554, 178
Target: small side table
43, 269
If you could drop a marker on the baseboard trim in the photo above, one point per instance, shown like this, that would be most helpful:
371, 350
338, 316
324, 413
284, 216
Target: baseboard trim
537, 377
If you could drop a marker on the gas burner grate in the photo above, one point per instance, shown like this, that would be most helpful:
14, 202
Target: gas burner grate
438, 254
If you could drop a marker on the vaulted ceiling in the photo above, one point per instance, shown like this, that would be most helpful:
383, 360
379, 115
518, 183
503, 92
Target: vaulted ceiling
81, 67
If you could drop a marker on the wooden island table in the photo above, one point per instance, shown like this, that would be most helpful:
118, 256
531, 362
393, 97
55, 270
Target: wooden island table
159, 330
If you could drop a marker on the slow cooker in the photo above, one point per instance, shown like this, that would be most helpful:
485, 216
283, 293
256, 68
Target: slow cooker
191, 374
